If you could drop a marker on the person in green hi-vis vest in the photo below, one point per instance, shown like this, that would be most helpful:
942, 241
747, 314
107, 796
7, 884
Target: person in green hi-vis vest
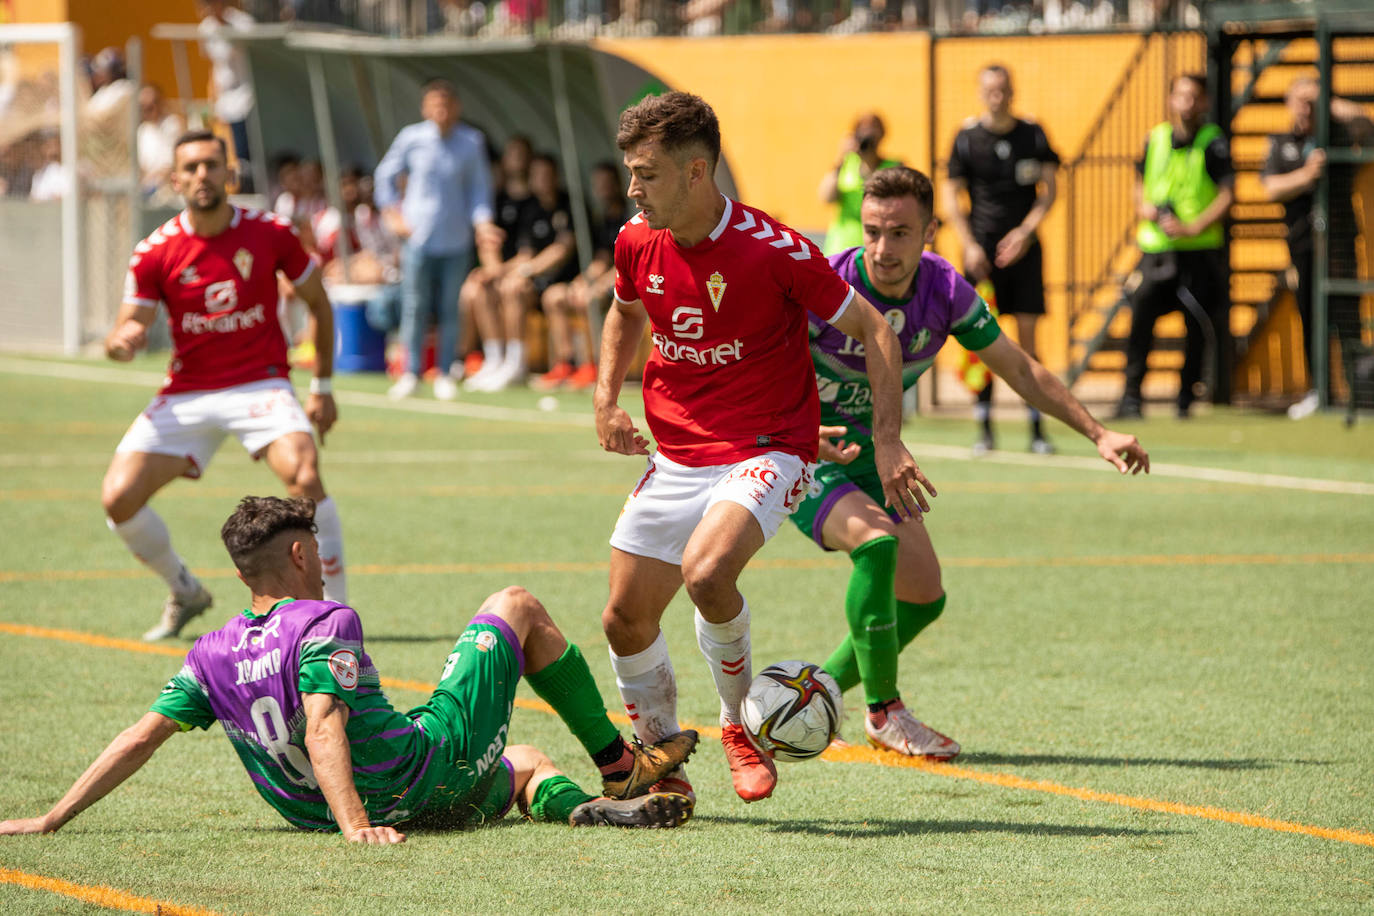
844, 184
1183, 189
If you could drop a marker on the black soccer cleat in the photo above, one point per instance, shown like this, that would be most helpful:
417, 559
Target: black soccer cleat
658, 809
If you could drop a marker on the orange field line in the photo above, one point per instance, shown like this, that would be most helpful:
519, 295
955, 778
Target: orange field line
779, 563
99, 895
852, 754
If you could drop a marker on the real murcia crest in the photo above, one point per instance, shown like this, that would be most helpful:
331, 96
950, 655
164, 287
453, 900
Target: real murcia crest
243, 260
715, 288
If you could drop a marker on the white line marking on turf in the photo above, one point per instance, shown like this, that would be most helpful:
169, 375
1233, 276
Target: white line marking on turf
1192, 472
353, 398
523, 415
436, 456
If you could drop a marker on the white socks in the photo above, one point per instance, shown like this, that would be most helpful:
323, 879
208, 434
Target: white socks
515, 356
491, 353
146, 536
330, 537
726, 647
649, 690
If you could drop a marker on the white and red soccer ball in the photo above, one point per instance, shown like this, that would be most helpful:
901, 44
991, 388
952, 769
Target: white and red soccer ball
792, 710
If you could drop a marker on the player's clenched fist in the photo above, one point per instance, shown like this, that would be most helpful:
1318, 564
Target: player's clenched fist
617, 433
322, 412
127, 338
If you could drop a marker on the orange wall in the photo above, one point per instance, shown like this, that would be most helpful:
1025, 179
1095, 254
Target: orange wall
104, 23
785, 103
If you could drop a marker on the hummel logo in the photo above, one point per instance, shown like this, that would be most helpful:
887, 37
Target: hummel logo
189, 275
655, 284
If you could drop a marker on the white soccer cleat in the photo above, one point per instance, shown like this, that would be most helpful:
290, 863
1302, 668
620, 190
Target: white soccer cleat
405, 386
1306, 407
904, 734
176, 612
445, 388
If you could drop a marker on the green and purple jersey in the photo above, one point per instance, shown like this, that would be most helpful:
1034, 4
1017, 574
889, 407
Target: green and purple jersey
942, 304
250, 676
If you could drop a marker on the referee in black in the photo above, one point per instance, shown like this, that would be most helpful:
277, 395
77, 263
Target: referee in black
1007, 167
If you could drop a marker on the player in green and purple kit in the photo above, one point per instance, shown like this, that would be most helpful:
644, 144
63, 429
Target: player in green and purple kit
894, 590
302, 704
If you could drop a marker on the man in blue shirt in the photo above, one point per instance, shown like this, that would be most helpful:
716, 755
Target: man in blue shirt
446, 204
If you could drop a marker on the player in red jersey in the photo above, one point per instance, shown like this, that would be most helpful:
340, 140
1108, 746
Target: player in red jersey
730, 396
215, 267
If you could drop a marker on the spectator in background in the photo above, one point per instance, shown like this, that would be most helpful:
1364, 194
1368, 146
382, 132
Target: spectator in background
574, 364
1290, 174
158, 129
446, 208
286, 182
230, 83
1183, 189
1007, 167
546, 254
844, 184
481, 299
374, 251
49, 182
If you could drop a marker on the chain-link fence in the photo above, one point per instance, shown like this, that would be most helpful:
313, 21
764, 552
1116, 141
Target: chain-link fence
69, 187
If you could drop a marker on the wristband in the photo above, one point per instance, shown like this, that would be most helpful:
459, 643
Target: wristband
321, 385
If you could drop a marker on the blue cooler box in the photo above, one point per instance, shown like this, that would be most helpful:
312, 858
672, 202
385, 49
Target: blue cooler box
358, 347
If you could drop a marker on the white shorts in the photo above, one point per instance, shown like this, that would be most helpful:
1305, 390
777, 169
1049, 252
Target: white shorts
671, 499
192, 425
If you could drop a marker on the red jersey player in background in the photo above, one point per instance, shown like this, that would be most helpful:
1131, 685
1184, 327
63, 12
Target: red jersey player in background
731, 400
215, 267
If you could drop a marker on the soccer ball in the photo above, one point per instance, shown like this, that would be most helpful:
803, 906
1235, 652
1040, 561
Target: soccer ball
792, 710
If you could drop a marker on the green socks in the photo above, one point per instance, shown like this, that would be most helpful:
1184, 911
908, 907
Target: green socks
870, 606
555, 798
567, 686
844, 663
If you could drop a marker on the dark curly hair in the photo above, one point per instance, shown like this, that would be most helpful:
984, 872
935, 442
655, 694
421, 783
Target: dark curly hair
256, 521
677, 120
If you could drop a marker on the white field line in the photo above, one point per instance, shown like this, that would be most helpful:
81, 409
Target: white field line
523, 415
436, 456
152, 380
1190, 472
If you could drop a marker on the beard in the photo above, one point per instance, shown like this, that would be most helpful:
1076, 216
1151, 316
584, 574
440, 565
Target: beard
212, 201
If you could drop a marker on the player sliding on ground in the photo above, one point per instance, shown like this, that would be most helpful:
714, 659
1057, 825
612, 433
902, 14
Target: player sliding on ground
895, 591
730, 398
302, 704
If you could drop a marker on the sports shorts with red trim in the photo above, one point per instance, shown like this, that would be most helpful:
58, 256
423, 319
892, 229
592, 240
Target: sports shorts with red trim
671, 499
193, 424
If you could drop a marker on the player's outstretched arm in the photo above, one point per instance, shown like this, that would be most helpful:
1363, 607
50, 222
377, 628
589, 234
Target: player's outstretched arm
326, 742
130, 332
883, 361
1040, 388
120, 760
319, 404
620, 335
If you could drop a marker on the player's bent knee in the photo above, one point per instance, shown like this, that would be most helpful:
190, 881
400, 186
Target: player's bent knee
519, 608
708, 580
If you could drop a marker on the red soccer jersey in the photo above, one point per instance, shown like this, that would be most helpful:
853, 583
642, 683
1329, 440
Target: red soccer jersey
730, 375
221, 296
